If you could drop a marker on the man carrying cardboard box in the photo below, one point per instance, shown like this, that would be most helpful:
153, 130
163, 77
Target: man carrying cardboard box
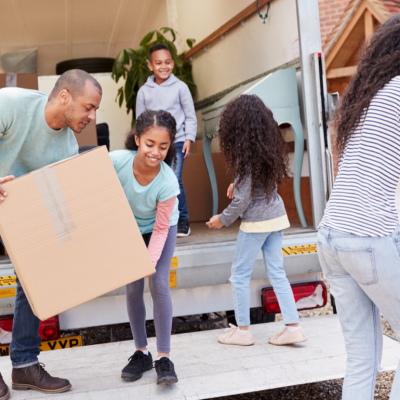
37, 130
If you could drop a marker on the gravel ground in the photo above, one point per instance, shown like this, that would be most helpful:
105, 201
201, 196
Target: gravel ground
329, 390
120, 332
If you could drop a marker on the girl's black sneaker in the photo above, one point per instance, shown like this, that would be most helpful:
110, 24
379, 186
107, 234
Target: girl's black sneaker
138, 363
165, 371
183, 229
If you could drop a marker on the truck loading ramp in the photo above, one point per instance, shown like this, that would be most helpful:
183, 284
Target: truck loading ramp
205, 368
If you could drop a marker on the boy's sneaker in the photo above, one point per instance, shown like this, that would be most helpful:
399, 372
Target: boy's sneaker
165, 371
287, 337
138, 363
234, 336
183, 229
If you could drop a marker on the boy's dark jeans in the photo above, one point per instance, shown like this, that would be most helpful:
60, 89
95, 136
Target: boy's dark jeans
177, 167
25, 335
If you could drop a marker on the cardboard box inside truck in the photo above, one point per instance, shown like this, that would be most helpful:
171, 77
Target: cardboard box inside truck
71, 234
88, 137
25, 81
199, 195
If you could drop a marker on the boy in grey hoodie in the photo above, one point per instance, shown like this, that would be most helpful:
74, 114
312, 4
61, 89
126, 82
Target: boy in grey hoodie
164, 91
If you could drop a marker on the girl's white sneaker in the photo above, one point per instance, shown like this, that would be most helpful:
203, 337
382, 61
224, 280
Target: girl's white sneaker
233, 336
287, 337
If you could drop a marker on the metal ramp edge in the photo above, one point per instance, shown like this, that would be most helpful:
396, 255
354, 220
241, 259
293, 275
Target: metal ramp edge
206, 369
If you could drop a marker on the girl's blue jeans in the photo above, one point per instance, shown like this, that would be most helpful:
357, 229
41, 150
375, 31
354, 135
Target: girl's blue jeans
248, 247
364, 277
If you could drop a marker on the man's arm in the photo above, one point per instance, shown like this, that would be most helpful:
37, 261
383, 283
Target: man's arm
6, 119
6, 113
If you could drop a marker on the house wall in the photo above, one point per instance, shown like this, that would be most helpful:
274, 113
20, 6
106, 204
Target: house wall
330, 12
245, 51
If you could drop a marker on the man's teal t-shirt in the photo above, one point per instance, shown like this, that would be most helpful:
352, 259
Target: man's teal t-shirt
27, 142
143, 199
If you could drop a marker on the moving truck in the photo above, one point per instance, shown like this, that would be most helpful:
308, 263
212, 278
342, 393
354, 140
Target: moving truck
282, 62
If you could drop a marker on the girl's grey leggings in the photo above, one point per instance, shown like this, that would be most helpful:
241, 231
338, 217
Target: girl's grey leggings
162, 303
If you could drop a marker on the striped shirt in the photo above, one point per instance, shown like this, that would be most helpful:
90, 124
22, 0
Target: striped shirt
363, 201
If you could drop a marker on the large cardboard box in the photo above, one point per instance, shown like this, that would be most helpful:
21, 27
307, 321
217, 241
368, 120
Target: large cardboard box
287, 194
71, 234
198, 186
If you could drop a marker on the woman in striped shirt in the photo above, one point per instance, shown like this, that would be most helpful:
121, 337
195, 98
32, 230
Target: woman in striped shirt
359, 236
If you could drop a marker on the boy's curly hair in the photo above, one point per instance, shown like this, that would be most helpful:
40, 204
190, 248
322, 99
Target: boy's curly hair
151, 118
252, 143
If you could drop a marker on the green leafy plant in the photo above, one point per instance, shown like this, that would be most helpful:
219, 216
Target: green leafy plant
131, 64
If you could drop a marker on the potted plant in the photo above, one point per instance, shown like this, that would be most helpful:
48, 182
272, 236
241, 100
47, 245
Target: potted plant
131, 64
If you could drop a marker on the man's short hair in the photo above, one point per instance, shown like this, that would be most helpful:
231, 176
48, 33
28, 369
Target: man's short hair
74, 80
159, 46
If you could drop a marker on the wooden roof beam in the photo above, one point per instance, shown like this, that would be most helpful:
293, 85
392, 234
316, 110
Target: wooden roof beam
341, 72
345, 34
237, 19
364, 7
368, 24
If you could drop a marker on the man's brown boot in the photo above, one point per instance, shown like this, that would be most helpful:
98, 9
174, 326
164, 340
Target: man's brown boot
35, 377
4, 390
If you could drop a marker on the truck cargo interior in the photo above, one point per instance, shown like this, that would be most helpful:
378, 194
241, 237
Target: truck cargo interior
234, 53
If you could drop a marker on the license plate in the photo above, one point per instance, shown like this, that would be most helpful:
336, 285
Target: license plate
62, 343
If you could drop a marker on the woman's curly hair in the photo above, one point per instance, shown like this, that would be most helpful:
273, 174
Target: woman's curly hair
380, 62
252, 144
149, 119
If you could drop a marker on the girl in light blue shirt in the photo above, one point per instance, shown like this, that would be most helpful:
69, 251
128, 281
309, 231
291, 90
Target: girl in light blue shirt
152, 189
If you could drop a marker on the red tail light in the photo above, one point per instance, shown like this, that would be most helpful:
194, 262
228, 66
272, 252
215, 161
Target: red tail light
306, 295
48, 330
6, 323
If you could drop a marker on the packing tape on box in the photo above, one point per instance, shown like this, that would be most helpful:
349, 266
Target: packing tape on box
56, 205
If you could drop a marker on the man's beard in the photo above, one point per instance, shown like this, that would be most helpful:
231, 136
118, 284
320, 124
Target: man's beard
69, 117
